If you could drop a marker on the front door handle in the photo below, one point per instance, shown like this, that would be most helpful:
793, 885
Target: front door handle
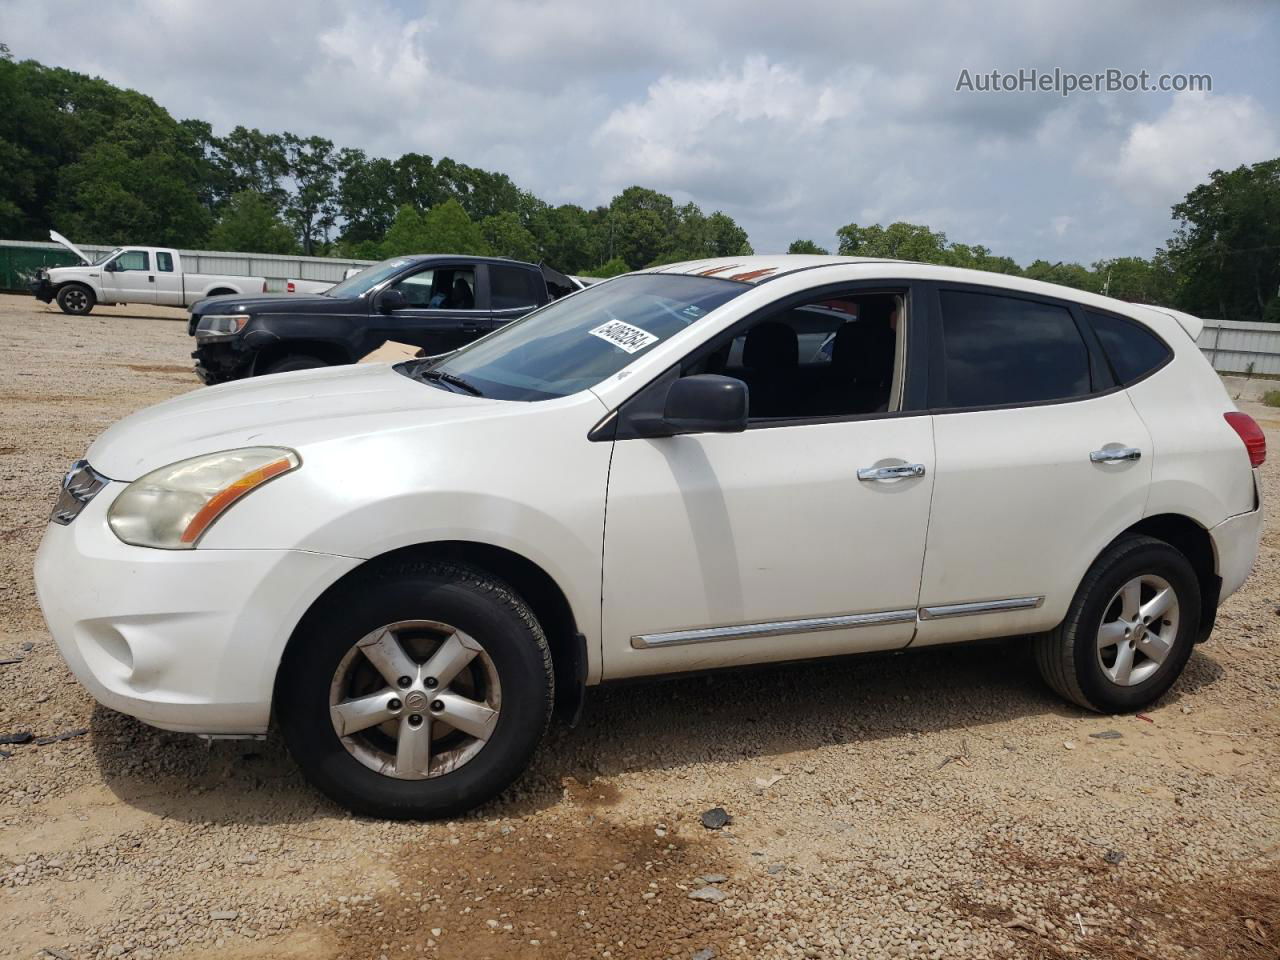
1115, 455
891, 473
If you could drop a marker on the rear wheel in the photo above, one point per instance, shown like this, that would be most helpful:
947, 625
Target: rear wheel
1129, 631
422, 691
294, 361
76, 299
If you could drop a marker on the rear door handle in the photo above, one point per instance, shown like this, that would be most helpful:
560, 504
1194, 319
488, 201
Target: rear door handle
891, 473
1115, 455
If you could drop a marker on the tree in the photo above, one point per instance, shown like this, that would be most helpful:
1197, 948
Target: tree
406, 234
1137, 280
446, 228
898, 241
312, 205
807, 246
505, 236
249, 224
1226, 251
610, 268
366, 196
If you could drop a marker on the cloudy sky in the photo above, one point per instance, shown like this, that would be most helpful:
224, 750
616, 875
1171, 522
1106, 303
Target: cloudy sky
794, 117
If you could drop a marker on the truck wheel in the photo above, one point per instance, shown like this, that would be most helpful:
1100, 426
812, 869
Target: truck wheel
76, 299
294, 361
420, 691
1129, 631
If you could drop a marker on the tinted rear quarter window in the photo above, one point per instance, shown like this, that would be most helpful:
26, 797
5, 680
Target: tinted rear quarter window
1003, 350
513, 287
1134, 351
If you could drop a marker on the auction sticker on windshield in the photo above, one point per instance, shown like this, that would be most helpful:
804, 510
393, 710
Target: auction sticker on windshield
624, 335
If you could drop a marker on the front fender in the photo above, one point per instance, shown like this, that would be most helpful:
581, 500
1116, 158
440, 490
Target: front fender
348, 334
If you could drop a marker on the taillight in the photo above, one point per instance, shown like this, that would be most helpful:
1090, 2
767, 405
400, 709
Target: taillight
289, 287
1255, 441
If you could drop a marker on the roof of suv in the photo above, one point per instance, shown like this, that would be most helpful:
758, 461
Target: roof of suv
761, 268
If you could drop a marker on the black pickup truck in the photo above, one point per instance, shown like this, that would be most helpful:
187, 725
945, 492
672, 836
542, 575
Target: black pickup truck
436, 302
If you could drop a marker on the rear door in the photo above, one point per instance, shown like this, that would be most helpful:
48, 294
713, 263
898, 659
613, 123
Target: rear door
514, 290
1041, 460
448, 307
168, 280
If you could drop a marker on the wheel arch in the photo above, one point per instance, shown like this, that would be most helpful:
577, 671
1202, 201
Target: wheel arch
329, 352
533, 584
1194, 542
222, 292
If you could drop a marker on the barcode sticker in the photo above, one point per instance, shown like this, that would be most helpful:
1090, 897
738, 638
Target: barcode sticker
624, 336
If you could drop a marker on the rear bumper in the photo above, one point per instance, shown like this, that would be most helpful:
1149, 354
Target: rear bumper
1235, 543
186, 640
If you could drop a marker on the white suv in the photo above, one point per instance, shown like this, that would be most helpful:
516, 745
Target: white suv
697, 466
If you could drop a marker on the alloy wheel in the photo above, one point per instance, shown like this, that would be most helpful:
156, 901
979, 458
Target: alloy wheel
415, 699
1138, 630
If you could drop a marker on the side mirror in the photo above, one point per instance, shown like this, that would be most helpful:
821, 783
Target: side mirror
706, 403
390, 300
111, 267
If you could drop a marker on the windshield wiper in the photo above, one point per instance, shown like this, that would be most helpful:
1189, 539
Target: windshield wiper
454, 380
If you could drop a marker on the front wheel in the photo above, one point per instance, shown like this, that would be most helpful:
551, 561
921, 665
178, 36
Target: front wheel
1129, 631
421, 691
293, 361
76, 299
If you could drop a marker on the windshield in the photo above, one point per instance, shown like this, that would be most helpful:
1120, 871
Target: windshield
367, 279
105, 257
575, 343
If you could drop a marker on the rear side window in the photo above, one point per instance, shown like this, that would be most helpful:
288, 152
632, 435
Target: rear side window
513, 287
164, 261
1003, 350
1134, 351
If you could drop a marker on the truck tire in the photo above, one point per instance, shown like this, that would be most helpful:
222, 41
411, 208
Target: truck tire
293, 361
443, 655
76, 299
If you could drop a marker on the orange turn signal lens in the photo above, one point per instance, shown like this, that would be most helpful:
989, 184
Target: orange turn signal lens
231, 493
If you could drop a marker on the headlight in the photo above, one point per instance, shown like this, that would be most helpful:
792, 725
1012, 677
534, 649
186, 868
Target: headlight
172, 507
221, 324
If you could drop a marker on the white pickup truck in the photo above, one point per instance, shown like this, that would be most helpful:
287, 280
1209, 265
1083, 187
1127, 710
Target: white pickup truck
133, 275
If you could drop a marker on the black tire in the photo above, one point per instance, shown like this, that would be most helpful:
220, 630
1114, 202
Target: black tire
294, 361
76, 299
1068, 655
462, 596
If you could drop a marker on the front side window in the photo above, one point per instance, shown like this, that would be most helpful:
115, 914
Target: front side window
514, 287
133, 260
164, 261
575, 343
361, 283
831, 357
444, 288
1134, 351
1002, 350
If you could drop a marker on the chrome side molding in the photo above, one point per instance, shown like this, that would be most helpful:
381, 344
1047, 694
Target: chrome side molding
945, 610
776, 628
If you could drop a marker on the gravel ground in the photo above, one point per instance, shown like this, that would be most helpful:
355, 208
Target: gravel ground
934, 804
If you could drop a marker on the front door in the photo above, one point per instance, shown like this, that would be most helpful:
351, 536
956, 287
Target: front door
1041, 461
802, 536
447, 308
129, 278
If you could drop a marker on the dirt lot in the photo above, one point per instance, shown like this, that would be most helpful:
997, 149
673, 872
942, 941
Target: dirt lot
933, 804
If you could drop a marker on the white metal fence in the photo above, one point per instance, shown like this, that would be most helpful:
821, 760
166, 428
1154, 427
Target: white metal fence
1235, 346
277, 269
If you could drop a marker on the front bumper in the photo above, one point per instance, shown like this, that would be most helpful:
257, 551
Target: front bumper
42, 289
220, 360
185, 640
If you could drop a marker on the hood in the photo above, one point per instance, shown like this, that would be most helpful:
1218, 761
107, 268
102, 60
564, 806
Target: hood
56, 237
274, 302
286, 409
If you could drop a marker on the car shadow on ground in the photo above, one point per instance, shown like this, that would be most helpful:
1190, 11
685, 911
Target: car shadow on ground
759, 713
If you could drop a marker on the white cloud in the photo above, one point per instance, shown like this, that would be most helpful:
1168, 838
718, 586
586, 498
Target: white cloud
1162, 159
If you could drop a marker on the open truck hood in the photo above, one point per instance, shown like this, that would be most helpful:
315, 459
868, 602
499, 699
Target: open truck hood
56, 237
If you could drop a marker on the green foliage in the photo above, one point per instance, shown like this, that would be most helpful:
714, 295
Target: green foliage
1271, 398
807, 246
446, 228
1226, 251
505, 236
249, 224
406, 235
610, 268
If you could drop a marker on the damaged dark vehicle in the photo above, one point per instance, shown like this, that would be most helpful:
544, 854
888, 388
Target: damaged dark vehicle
436, 302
